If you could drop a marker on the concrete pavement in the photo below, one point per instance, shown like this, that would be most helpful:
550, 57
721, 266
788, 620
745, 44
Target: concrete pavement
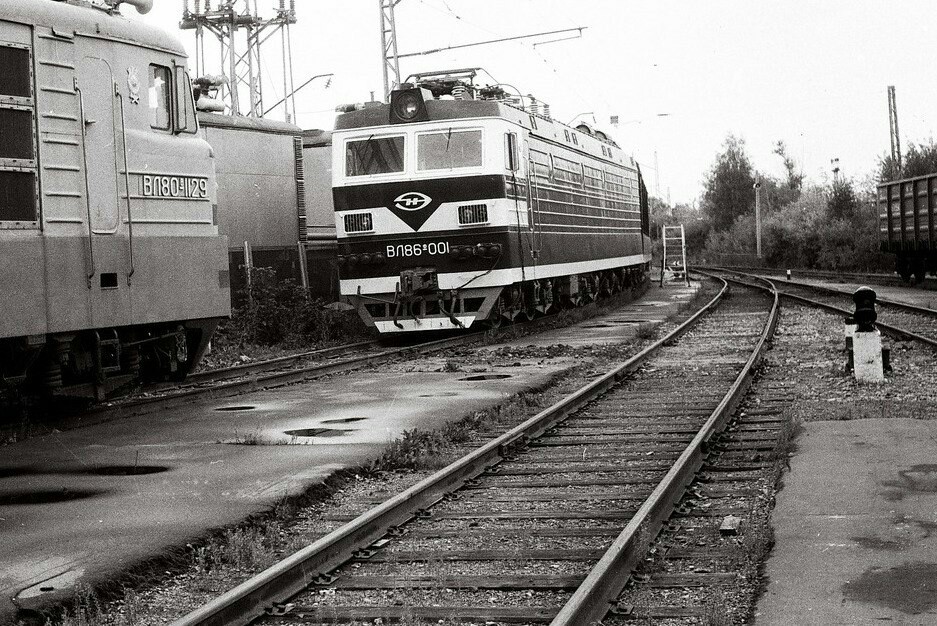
856, 527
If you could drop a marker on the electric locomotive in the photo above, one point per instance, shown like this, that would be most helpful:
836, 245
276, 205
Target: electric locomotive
456, 205
112, 268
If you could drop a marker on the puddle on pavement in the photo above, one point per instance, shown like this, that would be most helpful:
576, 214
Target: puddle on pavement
245, 407
47, 496
486, 377
12, 472
909, 588
344, 420
887, 545
318, 432
441, 394
916, 479
122, 470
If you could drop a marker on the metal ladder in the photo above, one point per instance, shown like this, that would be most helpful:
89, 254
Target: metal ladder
676, 234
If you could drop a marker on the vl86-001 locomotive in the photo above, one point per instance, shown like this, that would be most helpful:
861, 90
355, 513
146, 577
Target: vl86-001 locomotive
456, 205
111, 265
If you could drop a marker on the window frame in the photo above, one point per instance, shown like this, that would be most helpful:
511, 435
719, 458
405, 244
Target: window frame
170, 97
512, 155
20, 165
404, 165
184, 103
455, 130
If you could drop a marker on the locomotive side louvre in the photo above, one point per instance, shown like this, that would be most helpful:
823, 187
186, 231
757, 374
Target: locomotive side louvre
474, 198
110, 250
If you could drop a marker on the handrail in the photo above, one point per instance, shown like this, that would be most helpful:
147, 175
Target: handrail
123, 132
84, 158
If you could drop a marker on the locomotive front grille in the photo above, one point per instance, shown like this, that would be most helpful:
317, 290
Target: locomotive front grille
359, 223
473, 214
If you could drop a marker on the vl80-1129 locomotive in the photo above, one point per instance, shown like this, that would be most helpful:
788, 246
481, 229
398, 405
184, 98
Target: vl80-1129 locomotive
456, 205
111, 265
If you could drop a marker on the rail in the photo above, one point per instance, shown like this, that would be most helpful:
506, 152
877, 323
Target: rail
591, 601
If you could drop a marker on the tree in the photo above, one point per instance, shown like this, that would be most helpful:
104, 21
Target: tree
842, 203
730, 186
919, 160
795, 179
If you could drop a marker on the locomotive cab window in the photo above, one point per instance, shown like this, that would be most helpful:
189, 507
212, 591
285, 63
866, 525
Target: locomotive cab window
374, 155
449, 150
18, 167
186, 120
511, 160
159, 96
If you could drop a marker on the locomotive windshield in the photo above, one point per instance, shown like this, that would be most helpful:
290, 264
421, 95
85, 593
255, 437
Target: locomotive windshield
369, 156
449, 150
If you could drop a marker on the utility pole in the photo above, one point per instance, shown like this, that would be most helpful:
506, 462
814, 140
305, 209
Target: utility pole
240, 34
656, 176
758, 214
893, 127
389, 57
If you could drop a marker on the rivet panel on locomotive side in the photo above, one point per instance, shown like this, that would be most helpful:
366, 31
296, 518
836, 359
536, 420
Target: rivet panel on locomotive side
475, 210
111, 262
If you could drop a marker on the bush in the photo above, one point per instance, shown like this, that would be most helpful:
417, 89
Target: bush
279, 312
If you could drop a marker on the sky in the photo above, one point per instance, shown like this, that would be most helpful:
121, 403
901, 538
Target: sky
680, 75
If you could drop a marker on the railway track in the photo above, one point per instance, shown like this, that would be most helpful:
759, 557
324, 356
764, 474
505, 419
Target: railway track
890, 280
901, 320
542, 524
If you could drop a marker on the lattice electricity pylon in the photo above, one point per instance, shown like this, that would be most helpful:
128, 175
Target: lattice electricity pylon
240, 35
389, 61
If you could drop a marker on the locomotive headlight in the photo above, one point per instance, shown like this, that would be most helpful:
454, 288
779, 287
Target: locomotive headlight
408, 105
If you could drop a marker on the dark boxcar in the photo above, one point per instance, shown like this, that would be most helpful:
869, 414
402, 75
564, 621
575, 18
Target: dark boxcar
908, 226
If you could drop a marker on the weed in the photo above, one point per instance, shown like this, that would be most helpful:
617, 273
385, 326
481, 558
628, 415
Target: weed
252, 438
451, 366
645, 331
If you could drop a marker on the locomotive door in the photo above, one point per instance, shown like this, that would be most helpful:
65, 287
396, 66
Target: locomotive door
101, 135
110, 293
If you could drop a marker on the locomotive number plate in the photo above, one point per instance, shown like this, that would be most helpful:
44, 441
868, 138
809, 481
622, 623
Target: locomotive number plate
418, 249
158, 186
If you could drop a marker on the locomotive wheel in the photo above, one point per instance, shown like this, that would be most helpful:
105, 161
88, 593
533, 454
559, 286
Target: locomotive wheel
180, 353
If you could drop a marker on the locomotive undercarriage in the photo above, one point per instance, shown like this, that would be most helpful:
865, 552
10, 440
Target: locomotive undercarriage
910, 265
420, 305
97, 363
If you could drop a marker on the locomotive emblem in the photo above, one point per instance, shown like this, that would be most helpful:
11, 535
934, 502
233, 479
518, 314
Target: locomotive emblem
412, 201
